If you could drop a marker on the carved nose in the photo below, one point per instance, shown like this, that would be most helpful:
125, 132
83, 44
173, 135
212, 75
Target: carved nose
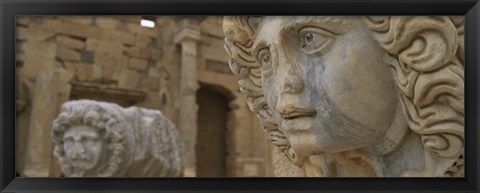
292, 84
78, 151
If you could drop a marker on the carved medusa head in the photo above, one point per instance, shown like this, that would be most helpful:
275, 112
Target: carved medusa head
102, 139
89, 139
355, 96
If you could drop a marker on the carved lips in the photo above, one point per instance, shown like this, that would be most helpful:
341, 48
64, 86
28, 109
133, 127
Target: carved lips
296, 119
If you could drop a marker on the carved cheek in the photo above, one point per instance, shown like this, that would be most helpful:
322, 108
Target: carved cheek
67, 147
94, 149
359, 83
68, 151
269, 82
270, 90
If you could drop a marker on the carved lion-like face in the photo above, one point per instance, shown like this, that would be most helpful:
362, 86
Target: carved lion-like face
325, 82
83, 147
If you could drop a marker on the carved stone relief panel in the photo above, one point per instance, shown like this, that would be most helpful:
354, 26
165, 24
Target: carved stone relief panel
100, 139
355, 96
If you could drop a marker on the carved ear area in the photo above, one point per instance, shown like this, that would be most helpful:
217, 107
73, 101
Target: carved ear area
291, 154
424, 43
239, 34
459, 22
427, 52
379, 24
237, 29
444, 145
240, 55
445, 86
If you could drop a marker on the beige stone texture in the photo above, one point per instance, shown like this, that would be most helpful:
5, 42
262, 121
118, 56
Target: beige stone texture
131, 19
138, 52
118, 142
71, 42
151, 84
211, 27
85, 20
186, 35
51, 87
154, 72
83, 72
137, 64
67, 54
45, 23
40, 49
112, 58
344, 96
96, 32
135, 28
143, 40
105, 47
33, 65
213, 50
107, 22
127, 78
157, 54
38, 34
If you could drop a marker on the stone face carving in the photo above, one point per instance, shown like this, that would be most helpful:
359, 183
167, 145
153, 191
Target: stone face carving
355, 96
101, 139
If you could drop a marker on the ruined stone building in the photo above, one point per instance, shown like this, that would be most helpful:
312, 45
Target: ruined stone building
179, 67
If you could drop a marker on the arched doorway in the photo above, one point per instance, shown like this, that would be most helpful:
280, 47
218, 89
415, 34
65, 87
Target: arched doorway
210, 149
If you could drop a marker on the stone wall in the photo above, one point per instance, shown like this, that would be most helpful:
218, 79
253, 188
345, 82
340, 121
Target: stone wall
115, 59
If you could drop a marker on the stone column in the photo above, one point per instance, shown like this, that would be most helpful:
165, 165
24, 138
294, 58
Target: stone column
51, 90
187, 36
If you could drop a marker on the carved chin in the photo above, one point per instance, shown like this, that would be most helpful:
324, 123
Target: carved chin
83, 164
304, 144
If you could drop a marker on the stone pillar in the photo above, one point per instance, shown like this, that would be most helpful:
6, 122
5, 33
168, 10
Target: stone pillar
50, 91
187, 36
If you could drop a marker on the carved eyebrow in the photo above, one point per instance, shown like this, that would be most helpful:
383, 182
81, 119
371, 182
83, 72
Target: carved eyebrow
89, 135
84, 135
332, 24
257, 46
67, 135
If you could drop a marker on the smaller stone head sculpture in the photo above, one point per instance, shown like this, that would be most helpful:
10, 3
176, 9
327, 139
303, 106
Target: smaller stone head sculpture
102, 139
84, 146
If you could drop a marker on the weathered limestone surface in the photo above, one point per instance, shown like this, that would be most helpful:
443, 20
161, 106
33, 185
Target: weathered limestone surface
101, 139
50, 90
355, 96
187, 35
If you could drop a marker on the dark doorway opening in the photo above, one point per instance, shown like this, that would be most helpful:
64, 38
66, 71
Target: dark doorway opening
211, 133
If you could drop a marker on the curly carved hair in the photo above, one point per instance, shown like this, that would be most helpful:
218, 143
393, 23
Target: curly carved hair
427, 58
97, 116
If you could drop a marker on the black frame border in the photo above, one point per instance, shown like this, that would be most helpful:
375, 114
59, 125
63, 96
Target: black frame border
11, 8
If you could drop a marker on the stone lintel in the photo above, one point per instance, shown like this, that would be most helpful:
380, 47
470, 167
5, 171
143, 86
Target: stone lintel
124, 96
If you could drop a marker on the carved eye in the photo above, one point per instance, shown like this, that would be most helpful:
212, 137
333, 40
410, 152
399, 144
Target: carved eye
265, 59
308, 38
316, 40
68, 142
91, 141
